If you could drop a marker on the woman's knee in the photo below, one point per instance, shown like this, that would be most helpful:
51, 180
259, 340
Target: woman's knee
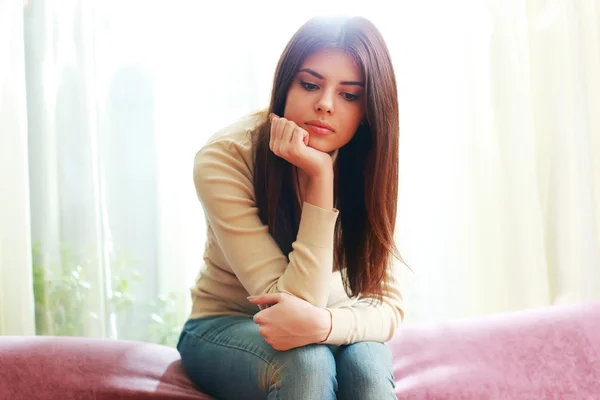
308, 360
305, 373
365, 369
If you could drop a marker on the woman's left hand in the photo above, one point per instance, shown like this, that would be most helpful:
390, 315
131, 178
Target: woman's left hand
290, 322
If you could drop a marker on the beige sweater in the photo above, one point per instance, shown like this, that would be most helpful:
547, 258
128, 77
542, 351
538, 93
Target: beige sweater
241, 258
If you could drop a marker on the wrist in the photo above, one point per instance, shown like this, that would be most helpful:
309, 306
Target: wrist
319, 190
324, 325
323, 174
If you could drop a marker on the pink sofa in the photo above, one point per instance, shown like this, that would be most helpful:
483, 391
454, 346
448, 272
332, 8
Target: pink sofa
547, 353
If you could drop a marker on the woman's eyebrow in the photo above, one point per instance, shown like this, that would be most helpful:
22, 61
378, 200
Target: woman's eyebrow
354, 83
313, 73
319, 76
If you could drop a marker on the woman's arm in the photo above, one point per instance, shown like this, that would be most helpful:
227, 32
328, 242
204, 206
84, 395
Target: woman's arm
319, 191
224, 185
292, 322
368, 321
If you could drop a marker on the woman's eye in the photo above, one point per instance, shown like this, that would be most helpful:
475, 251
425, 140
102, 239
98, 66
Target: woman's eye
350, 96
308, 86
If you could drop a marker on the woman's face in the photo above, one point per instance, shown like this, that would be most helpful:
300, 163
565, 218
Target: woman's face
326, 99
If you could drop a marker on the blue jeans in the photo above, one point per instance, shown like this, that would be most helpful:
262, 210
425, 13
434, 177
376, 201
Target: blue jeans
229, 359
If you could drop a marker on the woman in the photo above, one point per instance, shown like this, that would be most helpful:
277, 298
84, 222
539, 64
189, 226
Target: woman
300, 291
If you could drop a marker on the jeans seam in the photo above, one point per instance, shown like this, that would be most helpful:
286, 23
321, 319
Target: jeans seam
233, 347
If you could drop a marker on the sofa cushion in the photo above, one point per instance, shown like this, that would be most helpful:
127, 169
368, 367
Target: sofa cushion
65, 368
546, 353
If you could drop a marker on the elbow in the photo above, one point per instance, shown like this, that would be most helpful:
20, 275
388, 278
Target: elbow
392, 332
395, 322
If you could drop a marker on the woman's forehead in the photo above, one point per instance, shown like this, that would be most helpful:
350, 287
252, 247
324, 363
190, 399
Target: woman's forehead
333, 64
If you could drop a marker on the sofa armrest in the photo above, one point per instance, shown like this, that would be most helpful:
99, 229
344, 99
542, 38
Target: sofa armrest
45, 367
546, 353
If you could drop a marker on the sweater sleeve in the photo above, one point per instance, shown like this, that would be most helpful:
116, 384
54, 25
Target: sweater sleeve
368, 320
224, 186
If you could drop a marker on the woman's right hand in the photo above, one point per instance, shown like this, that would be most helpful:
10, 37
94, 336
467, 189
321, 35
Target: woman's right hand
290, 142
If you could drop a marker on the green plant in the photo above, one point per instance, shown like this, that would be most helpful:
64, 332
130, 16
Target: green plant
124, 279
63, 292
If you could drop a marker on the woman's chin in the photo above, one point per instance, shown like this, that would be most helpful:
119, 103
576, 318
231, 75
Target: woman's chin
324, 147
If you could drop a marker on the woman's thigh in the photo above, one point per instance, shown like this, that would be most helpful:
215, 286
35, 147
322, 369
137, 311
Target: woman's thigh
364, 371
228, 358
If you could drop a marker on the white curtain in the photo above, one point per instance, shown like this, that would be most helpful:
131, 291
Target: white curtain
16, 290
500, 151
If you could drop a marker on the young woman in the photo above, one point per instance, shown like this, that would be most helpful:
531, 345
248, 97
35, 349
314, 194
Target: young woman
301, 286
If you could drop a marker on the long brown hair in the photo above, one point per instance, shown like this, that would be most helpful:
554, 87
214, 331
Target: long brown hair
366, 190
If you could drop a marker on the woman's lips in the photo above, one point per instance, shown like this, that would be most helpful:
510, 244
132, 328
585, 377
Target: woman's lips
319, 128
